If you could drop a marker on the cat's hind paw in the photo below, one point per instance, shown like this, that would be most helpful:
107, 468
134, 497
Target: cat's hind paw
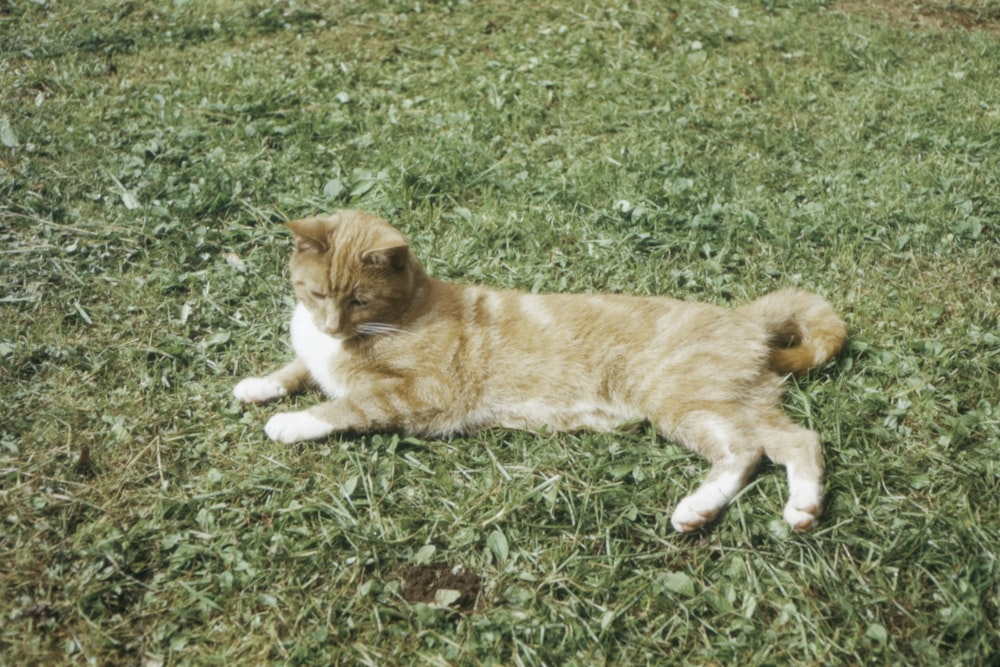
258, 390
688, 517
289, 427
805, 504
802, 519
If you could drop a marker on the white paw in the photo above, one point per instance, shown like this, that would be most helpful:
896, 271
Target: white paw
802, 519
692, 514
289, 427
258, 390
805, 504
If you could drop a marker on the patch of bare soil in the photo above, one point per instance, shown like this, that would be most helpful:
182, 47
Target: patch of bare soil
981, 15
421, 583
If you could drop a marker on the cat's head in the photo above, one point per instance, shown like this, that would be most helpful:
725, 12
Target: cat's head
353, 271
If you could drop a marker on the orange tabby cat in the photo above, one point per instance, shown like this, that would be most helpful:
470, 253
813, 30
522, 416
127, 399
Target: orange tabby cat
395, 349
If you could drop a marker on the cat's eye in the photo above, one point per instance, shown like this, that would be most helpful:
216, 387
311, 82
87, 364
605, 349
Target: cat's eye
358, 303
317, 295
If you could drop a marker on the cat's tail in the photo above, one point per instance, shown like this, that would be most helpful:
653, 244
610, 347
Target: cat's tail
803, 329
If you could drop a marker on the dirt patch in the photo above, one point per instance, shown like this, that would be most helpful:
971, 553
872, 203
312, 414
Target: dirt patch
421, 583
934, 15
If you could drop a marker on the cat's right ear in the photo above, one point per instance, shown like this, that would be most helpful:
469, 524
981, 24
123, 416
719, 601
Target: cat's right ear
311, 235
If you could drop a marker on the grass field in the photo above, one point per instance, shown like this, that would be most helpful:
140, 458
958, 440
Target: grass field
149, 152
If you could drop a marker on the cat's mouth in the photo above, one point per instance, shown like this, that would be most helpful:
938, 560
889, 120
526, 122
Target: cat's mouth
338, 335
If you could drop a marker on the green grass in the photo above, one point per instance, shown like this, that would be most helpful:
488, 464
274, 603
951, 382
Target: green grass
712, 151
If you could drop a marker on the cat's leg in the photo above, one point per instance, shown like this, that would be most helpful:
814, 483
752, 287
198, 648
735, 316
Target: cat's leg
726, 478
391, 404
287, 380
311, 424
719, 437
800, 451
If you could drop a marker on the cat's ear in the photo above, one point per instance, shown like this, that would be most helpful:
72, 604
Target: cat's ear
312, 235
394, 257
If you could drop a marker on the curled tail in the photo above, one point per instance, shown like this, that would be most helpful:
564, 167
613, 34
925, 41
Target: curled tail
802, 327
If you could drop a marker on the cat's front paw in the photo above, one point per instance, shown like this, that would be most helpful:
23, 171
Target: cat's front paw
289, 427
258, 390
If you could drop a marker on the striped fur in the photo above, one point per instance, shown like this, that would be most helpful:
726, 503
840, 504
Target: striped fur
395, 349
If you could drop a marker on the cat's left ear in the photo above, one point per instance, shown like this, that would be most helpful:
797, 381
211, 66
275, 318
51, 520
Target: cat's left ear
312, 235
394, 257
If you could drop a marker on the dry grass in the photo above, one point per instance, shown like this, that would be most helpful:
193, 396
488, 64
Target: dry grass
934, 15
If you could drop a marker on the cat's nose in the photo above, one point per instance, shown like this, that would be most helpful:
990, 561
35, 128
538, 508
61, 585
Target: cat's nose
331, 324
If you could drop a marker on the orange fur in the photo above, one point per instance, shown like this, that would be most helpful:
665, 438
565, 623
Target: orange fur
396, 349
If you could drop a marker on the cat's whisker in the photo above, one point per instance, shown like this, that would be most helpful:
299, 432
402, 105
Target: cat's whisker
379, 329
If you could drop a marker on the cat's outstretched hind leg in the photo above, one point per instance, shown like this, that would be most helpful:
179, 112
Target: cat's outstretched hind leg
726, 478
719, 437
800, 451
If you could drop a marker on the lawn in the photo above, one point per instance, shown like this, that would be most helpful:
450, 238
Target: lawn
714, 151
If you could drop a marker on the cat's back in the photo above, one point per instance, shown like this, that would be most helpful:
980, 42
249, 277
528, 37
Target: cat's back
583, 321
523, 333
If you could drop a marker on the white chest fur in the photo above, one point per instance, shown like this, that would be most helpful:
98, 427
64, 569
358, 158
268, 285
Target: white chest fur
317, 351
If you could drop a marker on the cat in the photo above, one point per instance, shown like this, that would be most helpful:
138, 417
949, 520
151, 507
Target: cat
395, 349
